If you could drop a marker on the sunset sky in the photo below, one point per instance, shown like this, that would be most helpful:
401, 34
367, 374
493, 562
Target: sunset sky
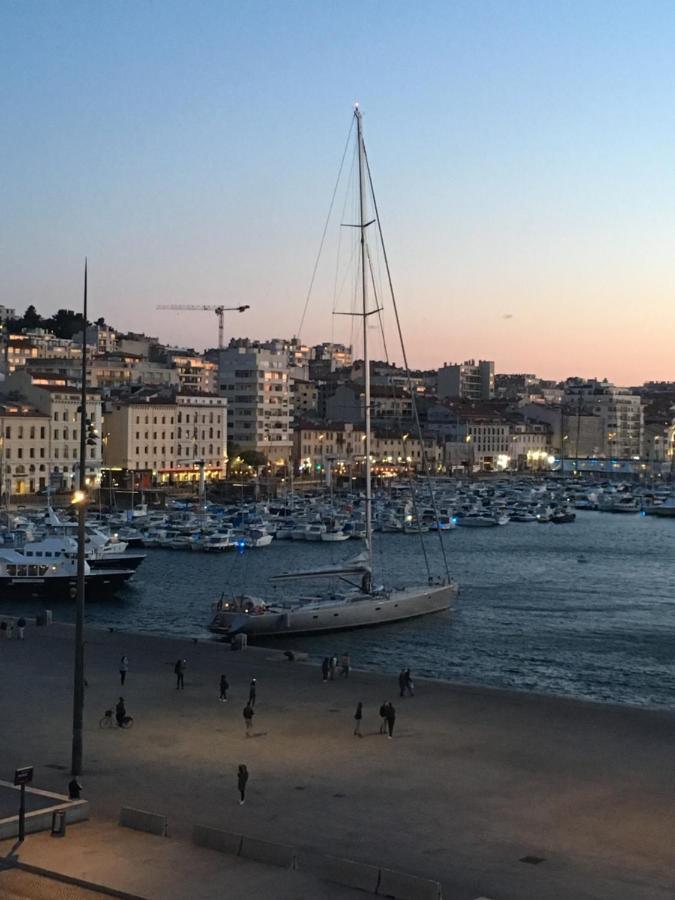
523, 155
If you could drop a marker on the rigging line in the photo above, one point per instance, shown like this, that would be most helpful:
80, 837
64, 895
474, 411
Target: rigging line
378, 307
348, 194
325, 228
425, 462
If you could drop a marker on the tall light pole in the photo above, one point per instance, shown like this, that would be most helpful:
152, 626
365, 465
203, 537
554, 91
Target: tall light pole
80, 498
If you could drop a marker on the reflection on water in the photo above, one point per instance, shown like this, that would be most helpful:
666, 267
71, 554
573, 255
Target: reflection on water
586, 609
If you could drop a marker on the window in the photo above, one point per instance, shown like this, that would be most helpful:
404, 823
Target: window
20, 432
32, 432
56, 434
42, 432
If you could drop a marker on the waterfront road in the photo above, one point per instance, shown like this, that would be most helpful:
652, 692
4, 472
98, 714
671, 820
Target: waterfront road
474, 781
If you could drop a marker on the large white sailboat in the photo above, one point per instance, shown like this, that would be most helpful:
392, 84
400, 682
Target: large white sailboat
362, 603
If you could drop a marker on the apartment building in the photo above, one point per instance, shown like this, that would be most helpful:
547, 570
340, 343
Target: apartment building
61, 404
167, 435
256, 382
467, 381
24, 448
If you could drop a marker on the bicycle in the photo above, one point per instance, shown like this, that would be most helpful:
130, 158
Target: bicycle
109, 721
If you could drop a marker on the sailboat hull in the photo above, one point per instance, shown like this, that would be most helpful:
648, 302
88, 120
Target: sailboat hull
359, 611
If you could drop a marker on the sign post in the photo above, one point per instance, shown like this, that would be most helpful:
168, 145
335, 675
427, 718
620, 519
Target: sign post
22, 777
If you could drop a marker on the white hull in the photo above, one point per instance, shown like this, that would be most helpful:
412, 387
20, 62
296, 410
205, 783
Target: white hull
357, 611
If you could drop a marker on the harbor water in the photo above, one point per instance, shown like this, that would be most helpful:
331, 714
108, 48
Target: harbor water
585, 610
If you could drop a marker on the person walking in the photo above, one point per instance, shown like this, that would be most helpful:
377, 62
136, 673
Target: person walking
242, 778
401, 682
383, 716
358, 715
20, 626
409, 686
333, 667
179, 670
345, 664
124, 668
224, 687
252, 692
390, 718
325, 667
248, 718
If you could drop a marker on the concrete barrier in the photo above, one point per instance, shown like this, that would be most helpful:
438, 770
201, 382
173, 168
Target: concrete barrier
41, 819
268, 852
215, 839
346, 872
407, 887
140, 820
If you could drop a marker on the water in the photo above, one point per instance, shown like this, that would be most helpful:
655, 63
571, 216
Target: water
585, 610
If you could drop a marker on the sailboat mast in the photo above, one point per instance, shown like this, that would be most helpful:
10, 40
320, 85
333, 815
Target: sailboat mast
366, 359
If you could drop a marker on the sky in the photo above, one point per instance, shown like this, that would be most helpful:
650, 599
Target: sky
523, 157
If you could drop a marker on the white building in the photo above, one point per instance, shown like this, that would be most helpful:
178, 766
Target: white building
256, 383
168, 436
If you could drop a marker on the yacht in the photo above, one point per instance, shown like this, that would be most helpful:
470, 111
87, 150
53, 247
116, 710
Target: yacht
362, 604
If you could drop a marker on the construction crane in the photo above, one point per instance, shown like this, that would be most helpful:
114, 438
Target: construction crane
218, 310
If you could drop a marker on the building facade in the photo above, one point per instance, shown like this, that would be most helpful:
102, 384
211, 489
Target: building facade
256, 384
467, 381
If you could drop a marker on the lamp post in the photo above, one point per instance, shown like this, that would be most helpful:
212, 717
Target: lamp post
80, 498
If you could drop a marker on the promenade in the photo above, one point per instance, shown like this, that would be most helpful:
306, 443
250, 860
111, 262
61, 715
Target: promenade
473, 781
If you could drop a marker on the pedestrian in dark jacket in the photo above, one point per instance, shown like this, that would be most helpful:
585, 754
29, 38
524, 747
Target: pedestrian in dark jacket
242, 778
401, 682
409, 686
20, 626
179, 670
345, 664
124, 668
248, 718
325, 668
333, 667
383, 716
390, 718
358, 715
74, 789
120, 712
252, 692
224, 687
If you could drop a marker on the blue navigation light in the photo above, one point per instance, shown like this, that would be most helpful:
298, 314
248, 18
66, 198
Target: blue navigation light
454, 520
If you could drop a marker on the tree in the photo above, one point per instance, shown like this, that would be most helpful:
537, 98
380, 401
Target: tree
65, 323
31, 318
254, 458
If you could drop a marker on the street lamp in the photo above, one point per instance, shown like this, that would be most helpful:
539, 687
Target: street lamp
85, 435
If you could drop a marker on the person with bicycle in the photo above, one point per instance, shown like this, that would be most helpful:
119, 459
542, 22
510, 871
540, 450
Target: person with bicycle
121, 712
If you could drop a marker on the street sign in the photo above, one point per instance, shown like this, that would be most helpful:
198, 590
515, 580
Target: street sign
23, 776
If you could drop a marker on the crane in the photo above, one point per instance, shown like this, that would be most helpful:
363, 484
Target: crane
218, 310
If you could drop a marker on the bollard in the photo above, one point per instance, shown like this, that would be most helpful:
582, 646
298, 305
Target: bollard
59, 823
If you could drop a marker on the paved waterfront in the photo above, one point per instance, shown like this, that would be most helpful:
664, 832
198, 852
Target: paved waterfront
473, 781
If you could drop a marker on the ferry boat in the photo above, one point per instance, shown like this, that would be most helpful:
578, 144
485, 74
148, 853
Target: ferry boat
52, 573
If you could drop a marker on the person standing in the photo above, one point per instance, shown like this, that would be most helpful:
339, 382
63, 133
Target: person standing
242, 778
74, 789
252, 692
358, 715
345, 664
248, 718
390, 718
333, 667
179, 670
224, 687
20, 626
325, 667
383, 716
124, 668
401, 682
409, 686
